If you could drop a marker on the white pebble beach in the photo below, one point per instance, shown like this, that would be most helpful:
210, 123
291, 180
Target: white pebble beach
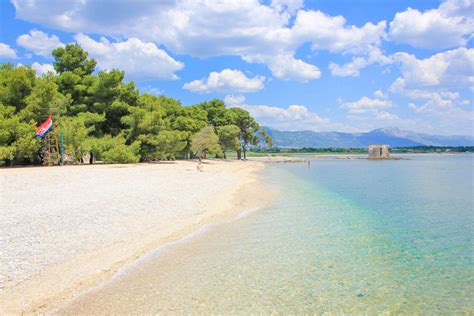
66, 229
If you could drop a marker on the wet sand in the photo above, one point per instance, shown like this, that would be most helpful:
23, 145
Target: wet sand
65, 230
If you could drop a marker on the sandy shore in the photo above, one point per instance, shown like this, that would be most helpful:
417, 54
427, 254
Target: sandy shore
67, 229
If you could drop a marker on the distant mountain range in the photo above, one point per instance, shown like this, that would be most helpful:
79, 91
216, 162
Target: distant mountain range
392, 136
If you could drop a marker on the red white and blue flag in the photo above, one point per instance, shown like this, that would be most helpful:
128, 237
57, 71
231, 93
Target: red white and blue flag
44, 128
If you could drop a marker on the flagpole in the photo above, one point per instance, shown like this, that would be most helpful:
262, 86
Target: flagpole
62, 148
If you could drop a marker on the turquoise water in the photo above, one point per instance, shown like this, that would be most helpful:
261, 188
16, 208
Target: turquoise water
390, 235
352, 236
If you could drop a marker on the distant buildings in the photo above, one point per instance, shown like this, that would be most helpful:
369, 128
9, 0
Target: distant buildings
379, 152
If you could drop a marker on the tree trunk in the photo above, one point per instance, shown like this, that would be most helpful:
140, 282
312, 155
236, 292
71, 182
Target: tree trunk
245, 154
239, 154
91, 158
225, 156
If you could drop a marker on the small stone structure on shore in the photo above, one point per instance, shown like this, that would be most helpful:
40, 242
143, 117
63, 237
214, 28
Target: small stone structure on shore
379, 151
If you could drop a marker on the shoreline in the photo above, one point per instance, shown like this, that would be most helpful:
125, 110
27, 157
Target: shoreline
59, 283
70, 306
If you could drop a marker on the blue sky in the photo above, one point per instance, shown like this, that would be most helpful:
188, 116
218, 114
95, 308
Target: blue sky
293, 64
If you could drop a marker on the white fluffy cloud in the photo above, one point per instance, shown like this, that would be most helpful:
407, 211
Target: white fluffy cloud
289, 68
372, 113
446, 110
228, 80
369, 114
152, 90
454, 68
380, 94
255, 31
7, 52
450, 25
384, 119
386, 116
433, 112
353, 68
446, 114
294, 117
365, 104
434, 86
139, 60
39, 43
331, 33
286, 67
42, 69
232, 100
434, 101
290, 6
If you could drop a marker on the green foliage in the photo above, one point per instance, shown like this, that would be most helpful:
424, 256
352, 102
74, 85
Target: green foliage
76, 134
109, 95
250, 131
267, 138
191, 119
17, 144
97, 146
228, 137
105, 117
16, 84
73, 58
216, 112
44, 100
164, 145
76, 88
146, 118
77, 131
122, 153
433, 149
163, 126
205, 141
218, 115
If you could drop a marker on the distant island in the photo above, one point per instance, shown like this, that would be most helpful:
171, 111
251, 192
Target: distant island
284, 151
394, 137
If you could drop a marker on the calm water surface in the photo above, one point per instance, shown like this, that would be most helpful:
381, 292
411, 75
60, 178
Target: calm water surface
344, 236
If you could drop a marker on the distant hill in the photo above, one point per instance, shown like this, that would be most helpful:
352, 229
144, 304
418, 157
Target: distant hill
392, 136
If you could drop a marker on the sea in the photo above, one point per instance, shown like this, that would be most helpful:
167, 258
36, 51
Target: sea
345, 236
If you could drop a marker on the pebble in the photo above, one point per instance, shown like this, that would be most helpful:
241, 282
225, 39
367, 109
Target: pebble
49, 222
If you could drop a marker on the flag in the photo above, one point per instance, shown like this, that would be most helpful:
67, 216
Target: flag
44, 128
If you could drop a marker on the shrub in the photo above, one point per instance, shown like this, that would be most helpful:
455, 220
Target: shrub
122, 153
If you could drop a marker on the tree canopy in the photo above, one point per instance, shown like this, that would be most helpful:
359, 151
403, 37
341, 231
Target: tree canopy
104, 117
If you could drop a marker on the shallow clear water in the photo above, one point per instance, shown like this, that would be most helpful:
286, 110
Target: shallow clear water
343, 236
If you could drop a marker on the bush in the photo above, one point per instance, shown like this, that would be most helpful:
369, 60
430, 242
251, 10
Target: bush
122, 154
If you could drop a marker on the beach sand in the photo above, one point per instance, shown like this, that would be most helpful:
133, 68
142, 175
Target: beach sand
67, 229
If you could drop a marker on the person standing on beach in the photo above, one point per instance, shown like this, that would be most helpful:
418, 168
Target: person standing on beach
200, 167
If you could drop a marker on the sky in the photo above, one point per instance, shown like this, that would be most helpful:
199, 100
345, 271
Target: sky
321, 65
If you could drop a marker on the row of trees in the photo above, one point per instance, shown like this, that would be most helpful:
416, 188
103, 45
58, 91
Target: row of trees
104, 117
